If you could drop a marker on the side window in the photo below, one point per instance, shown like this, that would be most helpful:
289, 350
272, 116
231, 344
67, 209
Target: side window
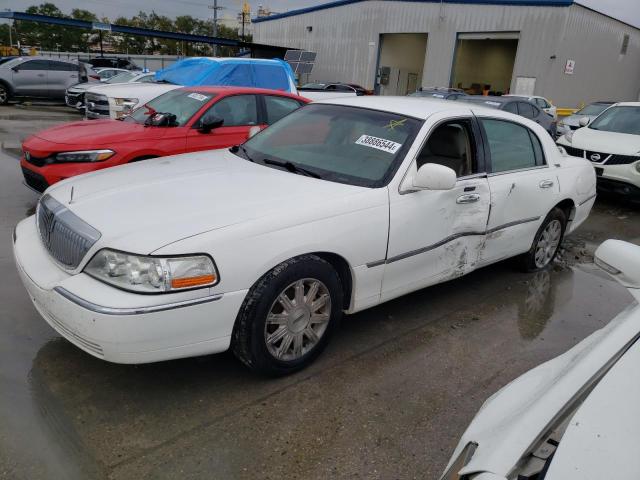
34, 65
511, 108
537, 148
452, 145
147, 79
237, 111
278, 107
526, 110
62, 66
511, 146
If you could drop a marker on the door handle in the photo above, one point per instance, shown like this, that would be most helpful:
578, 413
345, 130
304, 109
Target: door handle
469, 198
41, 74
545, 184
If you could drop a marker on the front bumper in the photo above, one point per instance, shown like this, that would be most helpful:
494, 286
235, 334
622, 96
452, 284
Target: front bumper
120, 326
74, 99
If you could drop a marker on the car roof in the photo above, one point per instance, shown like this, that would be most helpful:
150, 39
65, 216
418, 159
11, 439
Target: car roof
416, 107
245, 90
41, 57
627, 104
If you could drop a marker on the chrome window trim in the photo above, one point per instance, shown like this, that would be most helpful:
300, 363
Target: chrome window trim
93, 307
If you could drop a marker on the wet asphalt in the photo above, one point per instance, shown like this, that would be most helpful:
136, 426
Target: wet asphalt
388, 399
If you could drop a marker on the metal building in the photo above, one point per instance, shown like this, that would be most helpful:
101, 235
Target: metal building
555, 48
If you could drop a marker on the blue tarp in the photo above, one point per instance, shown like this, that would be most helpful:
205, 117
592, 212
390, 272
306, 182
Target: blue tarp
251, 72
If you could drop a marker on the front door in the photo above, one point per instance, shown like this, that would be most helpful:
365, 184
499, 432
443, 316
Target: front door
436, 235
523, 187
239, 112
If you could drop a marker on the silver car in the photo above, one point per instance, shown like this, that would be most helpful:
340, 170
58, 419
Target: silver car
591, 111
39, 77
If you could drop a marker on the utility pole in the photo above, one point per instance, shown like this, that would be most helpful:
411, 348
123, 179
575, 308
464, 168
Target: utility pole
215, 9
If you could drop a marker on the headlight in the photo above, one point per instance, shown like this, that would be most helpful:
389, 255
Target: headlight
126, 101
638, 167
145, 274
85, 156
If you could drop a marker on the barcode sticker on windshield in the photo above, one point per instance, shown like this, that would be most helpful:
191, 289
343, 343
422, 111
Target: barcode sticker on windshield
198, 96
379, 143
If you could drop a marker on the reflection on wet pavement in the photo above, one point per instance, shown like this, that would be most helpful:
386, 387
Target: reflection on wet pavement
388, 399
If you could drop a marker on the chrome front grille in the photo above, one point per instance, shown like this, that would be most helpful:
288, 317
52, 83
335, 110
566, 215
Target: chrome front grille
66, 236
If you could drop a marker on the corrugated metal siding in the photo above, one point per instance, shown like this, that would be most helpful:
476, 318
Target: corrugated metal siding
346, 39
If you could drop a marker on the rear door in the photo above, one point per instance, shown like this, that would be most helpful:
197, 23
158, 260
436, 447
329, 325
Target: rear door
275, 107
60, 76
239, 112
30, 78
523, 188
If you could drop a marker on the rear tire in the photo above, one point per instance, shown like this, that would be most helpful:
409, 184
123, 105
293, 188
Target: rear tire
5, 94
288, 316
546, 242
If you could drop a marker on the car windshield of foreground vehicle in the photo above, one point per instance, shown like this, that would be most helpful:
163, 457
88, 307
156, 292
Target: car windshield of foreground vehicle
121, 77
181, 103
619, 119
593, 109
12, 63
343, 144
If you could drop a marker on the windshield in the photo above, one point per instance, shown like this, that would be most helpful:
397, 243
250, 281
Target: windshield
343, 144
593, 109
121, 77
181, 103
619, 119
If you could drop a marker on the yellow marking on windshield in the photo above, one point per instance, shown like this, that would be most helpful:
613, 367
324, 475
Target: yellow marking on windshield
395, 123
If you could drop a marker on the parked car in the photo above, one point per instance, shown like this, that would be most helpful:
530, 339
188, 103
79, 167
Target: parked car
109, 62
74, 96
541, 102
261, 247
107, 73
515, 105
612, 143
115, 101
186, 120
441, 93
574, 417
38, 77
591, 111
335, 87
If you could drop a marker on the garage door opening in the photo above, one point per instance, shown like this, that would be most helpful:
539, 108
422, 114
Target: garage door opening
483, 63
402, 59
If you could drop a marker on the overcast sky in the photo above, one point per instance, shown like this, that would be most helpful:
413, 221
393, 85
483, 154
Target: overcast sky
626, 10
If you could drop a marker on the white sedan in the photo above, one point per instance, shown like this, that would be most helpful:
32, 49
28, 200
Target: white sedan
612, 143
337, 207
574, 417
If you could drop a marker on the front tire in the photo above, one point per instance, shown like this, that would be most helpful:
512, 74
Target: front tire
288, 316
546, 243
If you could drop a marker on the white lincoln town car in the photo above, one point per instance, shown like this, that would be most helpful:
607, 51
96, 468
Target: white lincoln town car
339, 206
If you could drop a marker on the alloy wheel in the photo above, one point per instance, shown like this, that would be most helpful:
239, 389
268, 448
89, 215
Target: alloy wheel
548, 243
297, 319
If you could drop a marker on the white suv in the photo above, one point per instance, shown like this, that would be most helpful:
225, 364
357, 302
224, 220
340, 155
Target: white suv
612, 143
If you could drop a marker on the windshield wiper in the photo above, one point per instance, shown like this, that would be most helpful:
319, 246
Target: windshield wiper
292, 167
235, 149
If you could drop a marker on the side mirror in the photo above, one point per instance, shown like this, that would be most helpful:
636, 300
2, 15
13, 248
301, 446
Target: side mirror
584, 121
208, 122
15, 69
432, 176
621, 260
253, 131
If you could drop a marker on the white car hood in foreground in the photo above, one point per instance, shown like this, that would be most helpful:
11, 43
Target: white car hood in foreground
143, 206
510, 422
601, 440
608, 142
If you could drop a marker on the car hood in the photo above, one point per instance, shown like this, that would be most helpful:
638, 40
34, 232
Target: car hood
512, 419
95, 133
143, 206
602, 435
133, 90
84, 86
608, 142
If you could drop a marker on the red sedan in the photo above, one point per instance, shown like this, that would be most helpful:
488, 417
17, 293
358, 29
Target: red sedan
179, 121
